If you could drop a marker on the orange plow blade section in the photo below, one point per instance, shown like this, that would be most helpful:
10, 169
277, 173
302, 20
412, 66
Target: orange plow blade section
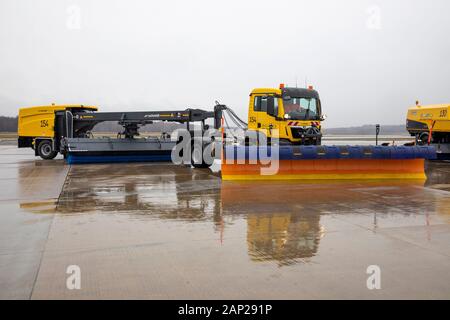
328, 169
334, 166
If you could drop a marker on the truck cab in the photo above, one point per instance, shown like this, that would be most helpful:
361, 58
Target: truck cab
294, 112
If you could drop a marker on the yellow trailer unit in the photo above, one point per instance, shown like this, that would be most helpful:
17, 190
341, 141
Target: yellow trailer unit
39, 130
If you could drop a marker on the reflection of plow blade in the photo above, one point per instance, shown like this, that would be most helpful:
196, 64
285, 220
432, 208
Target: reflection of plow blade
284, 218
325, 162
326, 195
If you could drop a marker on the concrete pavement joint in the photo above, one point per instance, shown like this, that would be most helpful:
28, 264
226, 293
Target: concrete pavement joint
46, 240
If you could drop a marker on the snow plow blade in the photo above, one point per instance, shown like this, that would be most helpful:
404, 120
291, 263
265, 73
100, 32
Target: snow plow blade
325, 162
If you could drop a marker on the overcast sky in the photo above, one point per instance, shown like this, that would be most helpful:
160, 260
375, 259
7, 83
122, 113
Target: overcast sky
369, 60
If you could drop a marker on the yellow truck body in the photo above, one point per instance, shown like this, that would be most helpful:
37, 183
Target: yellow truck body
292, 115
40, 121
434, 119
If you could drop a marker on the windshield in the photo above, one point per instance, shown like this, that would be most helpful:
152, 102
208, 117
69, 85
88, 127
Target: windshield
301, 108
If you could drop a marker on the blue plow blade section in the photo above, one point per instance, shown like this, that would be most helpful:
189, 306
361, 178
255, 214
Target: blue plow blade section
332, 152
80, 159
284, 153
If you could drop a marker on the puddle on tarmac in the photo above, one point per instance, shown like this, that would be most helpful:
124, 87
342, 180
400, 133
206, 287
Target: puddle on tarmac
283, 221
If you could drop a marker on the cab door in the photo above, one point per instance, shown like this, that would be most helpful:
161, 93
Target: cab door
266, 110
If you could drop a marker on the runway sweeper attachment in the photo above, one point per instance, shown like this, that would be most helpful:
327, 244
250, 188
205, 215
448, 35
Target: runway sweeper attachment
325, 162
67, 129
127, 146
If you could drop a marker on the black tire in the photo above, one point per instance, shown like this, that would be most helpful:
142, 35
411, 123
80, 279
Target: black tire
45, 150
197, 160
422, 138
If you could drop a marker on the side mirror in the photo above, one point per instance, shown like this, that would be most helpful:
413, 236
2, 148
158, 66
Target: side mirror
271, 107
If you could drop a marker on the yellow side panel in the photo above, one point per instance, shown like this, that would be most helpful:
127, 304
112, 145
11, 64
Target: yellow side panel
40, 121
36, 122
429, 112
437, 114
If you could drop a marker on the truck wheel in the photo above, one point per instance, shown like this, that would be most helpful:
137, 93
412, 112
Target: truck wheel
422, 139
197, 159
45, 150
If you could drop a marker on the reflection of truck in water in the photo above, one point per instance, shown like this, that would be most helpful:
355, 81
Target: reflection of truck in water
284, 219
284, 237
278, 229
278, 222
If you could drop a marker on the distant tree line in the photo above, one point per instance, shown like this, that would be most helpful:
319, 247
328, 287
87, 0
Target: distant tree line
368, 129
8, 124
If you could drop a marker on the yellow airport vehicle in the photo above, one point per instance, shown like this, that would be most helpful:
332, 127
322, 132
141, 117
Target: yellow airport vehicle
294, 112
429, 124
292, 115
37, 127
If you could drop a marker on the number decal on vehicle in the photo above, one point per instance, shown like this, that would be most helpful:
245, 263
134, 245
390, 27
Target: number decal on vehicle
443, 113
44, 123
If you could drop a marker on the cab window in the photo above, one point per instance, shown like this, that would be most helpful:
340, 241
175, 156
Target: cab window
261, 103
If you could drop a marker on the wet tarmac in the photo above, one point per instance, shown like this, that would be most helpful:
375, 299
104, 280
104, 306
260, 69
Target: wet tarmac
161, 231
